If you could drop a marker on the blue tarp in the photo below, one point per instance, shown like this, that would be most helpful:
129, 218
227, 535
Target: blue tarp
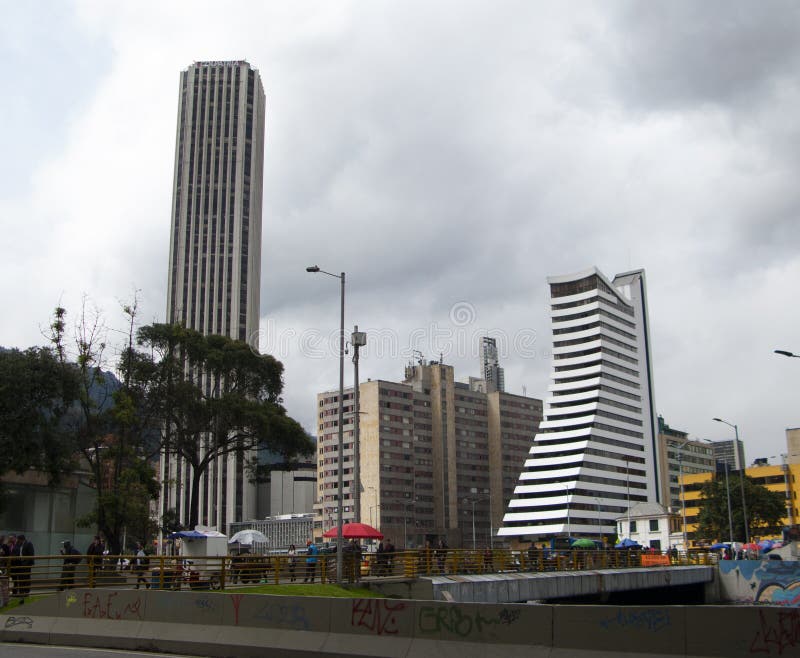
716, 547
628, 543
187, 534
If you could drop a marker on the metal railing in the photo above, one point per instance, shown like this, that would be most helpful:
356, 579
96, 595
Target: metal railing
48, 573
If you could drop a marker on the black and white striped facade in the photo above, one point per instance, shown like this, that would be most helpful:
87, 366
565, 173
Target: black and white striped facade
215, 248
595, 452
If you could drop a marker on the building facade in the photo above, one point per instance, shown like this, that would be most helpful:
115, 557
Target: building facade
679, 455
434, 455
493, 374
215, 248
782, 478
793, 445
288, 492
281, 531
595, 453
651, 525
730, 452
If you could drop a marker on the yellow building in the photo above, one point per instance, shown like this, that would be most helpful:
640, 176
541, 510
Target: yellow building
783, 479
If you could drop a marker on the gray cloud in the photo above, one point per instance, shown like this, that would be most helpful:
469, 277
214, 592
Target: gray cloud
684, 54
454, 152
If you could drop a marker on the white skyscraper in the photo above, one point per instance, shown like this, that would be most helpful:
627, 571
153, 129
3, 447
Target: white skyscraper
215, 247
595, 452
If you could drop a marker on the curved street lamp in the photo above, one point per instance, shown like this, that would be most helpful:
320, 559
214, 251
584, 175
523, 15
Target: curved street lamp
340, 465
787, 353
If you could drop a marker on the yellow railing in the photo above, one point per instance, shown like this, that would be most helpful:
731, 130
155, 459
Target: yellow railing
50, 572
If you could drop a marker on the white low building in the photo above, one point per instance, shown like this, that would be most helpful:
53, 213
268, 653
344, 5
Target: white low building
652, 526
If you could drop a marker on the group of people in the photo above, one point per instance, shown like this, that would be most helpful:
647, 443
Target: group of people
352, 556
384, 558
16, 562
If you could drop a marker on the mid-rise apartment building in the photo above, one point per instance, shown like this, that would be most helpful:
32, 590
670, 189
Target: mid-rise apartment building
433, 453
730, 452
679, 455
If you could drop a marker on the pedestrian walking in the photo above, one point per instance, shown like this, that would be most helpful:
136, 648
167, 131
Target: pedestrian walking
311, 561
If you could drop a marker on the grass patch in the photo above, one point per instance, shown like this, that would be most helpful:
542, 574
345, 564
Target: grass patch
14, 602
311, 590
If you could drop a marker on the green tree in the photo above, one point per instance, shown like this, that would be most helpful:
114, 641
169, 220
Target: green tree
765, 509
211, 396
36, 394
103, 429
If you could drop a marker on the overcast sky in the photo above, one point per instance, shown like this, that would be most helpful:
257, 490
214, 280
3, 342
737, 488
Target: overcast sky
448, 156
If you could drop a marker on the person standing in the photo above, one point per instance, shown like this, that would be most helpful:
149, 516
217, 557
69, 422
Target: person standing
441, 556
5, 594
311, 561
388, 556
380, 559
24, 552
94, 555
72, 557
292, 553
141, 564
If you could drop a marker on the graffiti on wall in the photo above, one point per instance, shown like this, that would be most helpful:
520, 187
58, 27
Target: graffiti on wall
774, 582
777, 636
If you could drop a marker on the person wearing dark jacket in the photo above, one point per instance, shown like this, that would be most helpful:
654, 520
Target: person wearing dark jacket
24, 553
72, 557
94, 554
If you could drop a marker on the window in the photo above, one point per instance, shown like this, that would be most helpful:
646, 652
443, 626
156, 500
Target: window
633, 526
653, 525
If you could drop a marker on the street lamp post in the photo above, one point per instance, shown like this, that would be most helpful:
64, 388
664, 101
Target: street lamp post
628, 489
599, 521
491, 522
741, 476
787, 489
473, 501
566, 488
357, 339
340, 458
683, 498
787, 353
728, 496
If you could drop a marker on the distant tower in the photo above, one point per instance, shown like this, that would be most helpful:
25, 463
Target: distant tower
214, 278
595, 453
490, 366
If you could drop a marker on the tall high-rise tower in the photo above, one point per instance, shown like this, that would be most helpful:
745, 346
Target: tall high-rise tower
492, 373
595, 453
215, 245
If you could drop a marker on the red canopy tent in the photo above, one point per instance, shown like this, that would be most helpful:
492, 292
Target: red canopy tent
354, 531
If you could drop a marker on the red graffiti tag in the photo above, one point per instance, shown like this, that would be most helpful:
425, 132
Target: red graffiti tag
101, 606
783, 636
376, 615
236, 599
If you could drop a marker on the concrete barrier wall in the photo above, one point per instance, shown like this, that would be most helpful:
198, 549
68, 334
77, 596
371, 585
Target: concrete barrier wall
775, 582
228, 624
521, 587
